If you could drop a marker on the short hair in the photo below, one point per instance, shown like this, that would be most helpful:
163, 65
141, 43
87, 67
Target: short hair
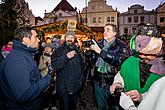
114, 27
22, 32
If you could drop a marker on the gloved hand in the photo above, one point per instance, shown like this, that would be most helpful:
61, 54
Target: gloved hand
126, 102
51, 71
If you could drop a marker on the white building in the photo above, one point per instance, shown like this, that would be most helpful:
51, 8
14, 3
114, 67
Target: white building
97, 14
62, 12
128, 21
160, 16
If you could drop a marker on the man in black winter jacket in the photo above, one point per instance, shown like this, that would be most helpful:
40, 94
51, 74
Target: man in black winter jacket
110, 52
69, 66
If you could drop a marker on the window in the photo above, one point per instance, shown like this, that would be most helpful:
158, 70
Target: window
94, 20
47, 20
100, 19
112, 19
125, 30
133, 29
108, 19
162, 19
135, 11
93, 7
60, 14
135, 19
142, 18
129, 19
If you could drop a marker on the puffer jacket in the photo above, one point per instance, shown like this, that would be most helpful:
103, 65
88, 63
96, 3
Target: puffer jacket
20, 80
114, 56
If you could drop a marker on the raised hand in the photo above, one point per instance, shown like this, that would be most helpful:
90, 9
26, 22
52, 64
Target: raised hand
95, 47
71, 54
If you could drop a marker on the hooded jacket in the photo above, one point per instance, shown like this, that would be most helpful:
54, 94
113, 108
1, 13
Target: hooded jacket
20, 80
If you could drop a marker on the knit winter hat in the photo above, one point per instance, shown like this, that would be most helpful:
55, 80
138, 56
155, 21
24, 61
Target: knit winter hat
49, 45
141, 42
143, 36
70, 32
148, 45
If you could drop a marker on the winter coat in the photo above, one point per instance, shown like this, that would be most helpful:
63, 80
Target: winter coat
130, 72
43, 64
69, 71
20, 80
115, 55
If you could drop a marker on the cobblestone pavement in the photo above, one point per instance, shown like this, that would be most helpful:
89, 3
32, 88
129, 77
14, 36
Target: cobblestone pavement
88, 98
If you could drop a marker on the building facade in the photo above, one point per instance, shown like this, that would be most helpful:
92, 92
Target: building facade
160, 17
62, 12
25, 16
97, 14
128, 21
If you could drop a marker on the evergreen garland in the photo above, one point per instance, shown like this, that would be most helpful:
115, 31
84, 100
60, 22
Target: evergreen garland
54, 27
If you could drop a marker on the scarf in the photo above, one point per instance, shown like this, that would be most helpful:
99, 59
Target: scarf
102, 66
158, 66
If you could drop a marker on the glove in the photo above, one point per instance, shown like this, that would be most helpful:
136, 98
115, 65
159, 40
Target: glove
51, 71
126, 102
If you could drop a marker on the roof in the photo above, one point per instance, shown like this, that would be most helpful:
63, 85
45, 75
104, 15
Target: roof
64, 5
97, 29
161, 5
39, 18
136, 6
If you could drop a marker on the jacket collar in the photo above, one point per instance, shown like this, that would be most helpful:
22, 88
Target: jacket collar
19, 46
114, 43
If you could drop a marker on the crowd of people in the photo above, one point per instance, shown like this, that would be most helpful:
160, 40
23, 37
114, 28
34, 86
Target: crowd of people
123, 77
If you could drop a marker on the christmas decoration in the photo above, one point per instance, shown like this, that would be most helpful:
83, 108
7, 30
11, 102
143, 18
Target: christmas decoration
61, 26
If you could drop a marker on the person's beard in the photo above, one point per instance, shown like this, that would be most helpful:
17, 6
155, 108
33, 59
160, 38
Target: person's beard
71, 46
69, 43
